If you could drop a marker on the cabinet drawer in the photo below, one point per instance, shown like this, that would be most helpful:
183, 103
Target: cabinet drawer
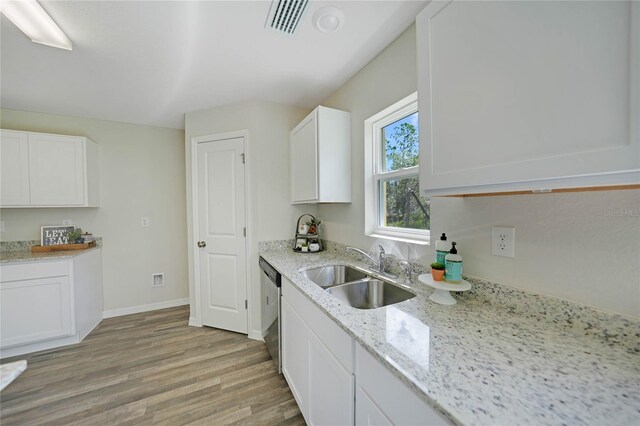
324, 327
34, 270
394, 401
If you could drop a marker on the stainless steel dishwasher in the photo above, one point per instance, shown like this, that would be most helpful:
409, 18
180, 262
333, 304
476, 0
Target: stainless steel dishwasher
271, 282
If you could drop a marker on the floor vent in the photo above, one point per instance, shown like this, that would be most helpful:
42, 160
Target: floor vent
285, 15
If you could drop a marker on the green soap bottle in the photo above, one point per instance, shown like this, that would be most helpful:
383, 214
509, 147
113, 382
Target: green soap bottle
453, 265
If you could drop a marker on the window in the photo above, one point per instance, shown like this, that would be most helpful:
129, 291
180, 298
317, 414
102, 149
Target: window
393, 206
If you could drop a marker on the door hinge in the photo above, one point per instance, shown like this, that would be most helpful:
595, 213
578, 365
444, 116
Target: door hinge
243, 158
244, 231
246, 304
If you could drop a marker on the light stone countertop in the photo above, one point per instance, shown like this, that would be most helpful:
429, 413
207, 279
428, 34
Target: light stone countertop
22, 256
20, 252
484, 361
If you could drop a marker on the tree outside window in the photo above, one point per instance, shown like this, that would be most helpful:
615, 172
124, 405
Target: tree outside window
402, 206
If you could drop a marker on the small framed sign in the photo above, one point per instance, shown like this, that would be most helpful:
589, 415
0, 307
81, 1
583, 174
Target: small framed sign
55, 235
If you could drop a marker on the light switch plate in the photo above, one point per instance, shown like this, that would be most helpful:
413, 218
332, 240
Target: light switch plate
503, 241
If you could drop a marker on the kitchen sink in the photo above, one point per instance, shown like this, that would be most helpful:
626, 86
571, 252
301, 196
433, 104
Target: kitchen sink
327, 276
369, 293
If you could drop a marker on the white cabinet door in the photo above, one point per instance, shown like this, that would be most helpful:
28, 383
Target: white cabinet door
331, 387
304, 161
528, 95
35, 310
320, 149
317, 361
57, 170
47, 304
367, 411
295, 355
14, 168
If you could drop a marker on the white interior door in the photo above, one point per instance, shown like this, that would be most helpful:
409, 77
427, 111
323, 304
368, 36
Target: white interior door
221, 234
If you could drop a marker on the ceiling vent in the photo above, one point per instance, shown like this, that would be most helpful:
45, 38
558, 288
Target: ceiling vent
285, 15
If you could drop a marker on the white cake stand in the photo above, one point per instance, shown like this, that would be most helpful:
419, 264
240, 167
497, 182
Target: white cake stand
442, 295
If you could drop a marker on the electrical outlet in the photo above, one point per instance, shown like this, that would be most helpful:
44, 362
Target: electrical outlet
145, 221
503, 241
157, 279
67, 222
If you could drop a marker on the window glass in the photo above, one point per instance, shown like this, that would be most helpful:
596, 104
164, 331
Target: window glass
403, 207
400, 144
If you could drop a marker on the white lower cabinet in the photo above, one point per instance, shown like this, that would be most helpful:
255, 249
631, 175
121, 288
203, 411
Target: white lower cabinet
382, 399
295, 355
368, 412
331, 400
49, 303
337, 382
35, 310
317, 361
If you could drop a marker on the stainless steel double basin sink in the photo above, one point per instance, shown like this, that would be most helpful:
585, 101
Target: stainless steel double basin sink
356, 287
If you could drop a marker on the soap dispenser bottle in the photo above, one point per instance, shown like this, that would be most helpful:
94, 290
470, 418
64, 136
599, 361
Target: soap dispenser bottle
453, 265
441, 248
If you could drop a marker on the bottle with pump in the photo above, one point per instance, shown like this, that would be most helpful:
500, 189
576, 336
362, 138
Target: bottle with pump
453, 265
441, 248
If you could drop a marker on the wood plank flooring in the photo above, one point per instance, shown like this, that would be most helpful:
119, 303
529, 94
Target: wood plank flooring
151, 368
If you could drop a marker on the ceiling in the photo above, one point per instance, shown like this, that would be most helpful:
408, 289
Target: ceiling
149, 62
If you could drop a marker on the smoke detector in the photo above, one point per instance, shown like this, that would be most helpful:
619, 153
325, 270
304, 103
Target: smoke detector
284, 15
328, 19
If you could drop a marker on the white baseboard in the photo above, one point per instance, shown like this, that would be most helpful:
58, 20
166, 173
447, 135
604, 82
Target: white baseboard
38, 346
144, 308
194, 322
256, 335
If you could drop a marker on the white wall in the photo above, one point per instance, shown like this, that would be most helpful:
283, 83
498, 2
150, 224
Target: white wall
141, 174
271, 215
388, 78
562, 240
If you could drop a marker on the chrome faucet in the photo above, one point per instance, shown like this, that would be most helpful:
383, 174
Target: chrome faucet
381, 259
379, 263
408, 270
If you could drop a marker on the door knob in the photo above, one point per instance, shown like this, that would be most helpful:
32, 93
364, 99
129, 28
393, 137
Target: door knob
202, 244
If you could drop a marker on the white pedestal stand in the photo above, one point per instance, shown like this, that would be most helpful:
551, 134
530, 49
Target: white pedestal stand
442, 295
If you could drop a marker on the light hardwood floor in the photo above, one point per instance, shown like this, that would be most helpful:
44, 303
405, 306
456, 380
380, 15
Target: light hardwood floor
151, 368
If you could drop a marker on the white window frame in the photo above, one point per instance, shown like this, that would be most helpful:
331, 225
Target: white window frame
374, 175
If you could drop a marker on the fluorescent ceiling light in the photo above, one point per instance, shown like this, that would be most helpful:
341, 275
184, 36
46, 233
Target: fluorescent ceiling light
35, 22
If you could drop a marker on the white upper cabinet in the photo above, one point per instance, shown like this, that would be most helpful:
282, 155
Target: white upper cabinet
45, 170
14, 168
321, 158
528, 95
